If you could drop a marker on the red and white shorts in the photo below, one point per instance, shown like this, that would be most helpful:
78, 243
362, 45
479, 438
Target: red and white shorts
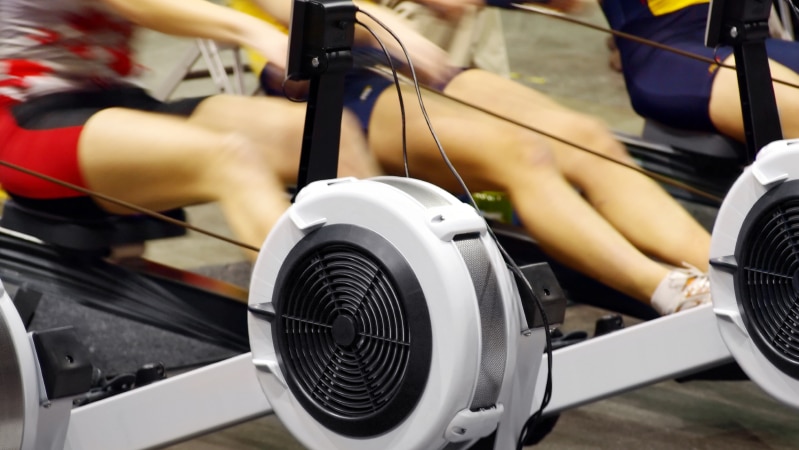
42, 135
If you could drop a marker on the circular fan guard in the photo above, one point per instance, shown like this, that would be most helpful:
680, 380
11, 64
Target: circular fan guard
352, 330
767, 278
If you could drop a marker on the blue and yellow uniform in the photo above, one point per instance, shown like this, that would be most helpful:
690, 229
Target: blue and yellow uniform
664, 86
624, 13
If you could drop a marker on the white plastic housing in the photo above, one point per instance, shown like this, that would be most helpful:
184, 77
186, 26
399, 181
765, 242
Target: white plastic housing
776, 163
424, 237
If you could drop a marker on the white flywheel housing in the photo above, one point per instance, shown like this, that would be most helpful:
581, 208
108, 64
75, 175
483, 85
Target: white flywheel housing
383, 316
19, 380
754, 273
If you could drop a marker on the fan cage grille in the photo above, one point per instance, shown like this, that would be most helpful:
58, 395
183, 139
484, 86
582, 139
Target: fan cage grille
352, 330
767, 281
354, 379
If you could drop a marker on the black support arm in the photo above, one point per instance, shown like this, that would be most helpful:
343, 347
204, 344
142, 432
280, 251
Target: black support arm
320, 50
743, 24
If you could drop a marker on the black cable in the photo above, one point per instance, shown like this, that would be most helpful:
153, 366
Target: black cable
531, 421
441, 151
511, 264
390, 60
128, 205
793, 8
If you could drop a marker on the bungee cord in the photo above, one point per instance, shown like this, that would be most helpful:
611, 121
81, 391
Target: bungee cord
794, 9
417, 89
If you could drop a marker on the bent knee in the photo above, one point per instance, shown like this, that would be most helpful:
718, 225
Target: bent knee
592, 135
236, 162
238, 149
517, 153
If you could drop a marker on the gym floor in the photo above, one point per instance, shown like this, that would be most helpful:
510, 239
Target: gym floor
571, 64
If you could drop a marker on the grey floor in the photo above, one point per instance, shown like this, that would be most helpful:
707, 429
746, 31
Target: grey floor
570, 63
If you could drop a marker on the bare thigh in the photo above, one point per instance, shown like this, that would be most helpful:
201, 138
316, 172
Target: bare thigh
486, 151
276, 125
558, 125
725, 101
159, 161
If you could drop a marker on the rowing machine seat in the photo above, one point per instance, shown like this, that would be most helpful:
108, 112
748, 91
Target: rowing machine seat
96, 235
707, 144
708, 162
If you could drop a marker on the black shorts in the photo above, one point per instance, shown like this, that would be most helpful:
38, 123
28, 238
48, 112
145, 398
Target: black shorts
362, 87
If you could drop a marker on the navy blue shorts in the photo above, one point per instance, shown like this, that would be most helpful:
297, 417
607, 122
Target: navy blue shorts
674, 89
361, 90
362, 86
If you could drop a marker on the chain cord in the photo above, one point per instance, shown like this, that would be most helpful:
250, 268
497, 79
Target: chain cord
128, 205
521, 7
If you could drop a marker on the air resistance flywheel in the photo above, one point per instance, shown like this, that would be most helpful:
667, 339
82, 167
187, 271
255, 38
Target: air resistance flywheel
382, 315
754, 275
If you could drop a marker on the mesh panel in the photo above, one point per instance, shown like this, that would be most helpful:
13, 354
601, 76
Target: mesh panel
492, 317
492, 313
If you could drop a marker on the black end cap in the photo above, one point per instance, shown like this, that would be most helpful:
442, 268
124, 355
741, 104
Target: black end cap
64, 362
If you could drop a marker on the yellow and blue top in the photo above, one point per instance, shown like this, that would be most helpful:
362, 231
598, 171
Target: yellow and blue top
257, 61
619, 13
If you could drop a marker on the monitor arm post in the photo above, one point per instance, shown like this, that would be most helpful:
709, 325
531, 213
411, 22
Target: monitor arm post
743, 24
321, 35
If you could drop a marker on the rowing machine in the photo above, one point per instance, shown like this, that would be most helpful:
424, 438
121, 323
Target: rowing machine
382, 313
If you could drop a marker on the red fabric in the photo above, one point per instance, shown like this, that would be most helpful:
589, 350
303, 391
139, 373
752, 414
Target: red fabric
52, 152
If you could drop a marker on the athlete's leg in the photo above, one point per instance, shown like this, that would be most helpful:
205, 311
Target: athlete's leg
725, 102
492, 154
282, 133
162, 162
634, 204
